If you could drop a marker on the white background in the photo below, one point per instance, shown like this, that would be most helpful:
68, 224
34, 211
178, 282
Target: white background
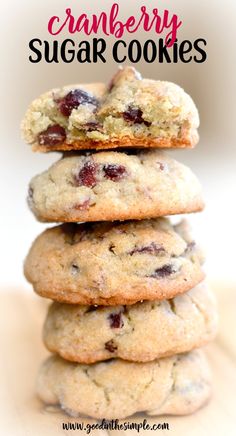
212, 85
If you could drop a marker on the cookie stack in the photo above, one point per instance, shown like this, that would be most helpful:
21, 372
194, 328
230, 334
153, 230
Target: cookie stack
130, 302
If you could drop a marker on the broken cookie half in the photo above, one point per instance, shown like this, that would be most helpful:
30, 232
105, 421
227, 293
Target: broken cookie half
130, 112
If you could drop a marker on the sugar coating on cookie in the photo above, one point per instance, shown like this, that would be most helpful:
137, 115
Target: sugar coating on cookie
141, 332
175, 385
114, 263
113, 185
131, 111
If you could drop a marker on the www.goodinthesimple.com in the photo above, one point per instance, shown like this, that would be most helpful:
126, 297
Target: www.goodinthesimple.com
114, 425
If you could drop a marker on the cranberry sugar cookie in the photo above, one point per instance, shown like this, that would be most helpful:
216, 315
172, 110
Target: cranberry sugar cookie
111, 185
131, 111
141, 332
114, 263
175, 385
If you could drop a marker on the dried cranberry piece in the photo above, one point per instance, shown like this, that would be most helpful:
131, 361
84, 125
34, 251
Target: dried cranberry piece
73, 100
135, 116
53, 135
116, 321
110, 346
153, 248
87, 175
164, 271
114, 172
92, 125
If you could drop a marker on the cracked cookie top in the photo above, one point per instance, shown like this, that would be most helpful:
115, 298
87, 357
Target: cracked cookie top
175, 385
141, 332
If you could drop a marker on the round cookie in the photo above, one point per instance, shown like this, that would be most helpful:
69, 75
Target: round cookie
108, 186
131, 111
141, 332
115, 389
114, 263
